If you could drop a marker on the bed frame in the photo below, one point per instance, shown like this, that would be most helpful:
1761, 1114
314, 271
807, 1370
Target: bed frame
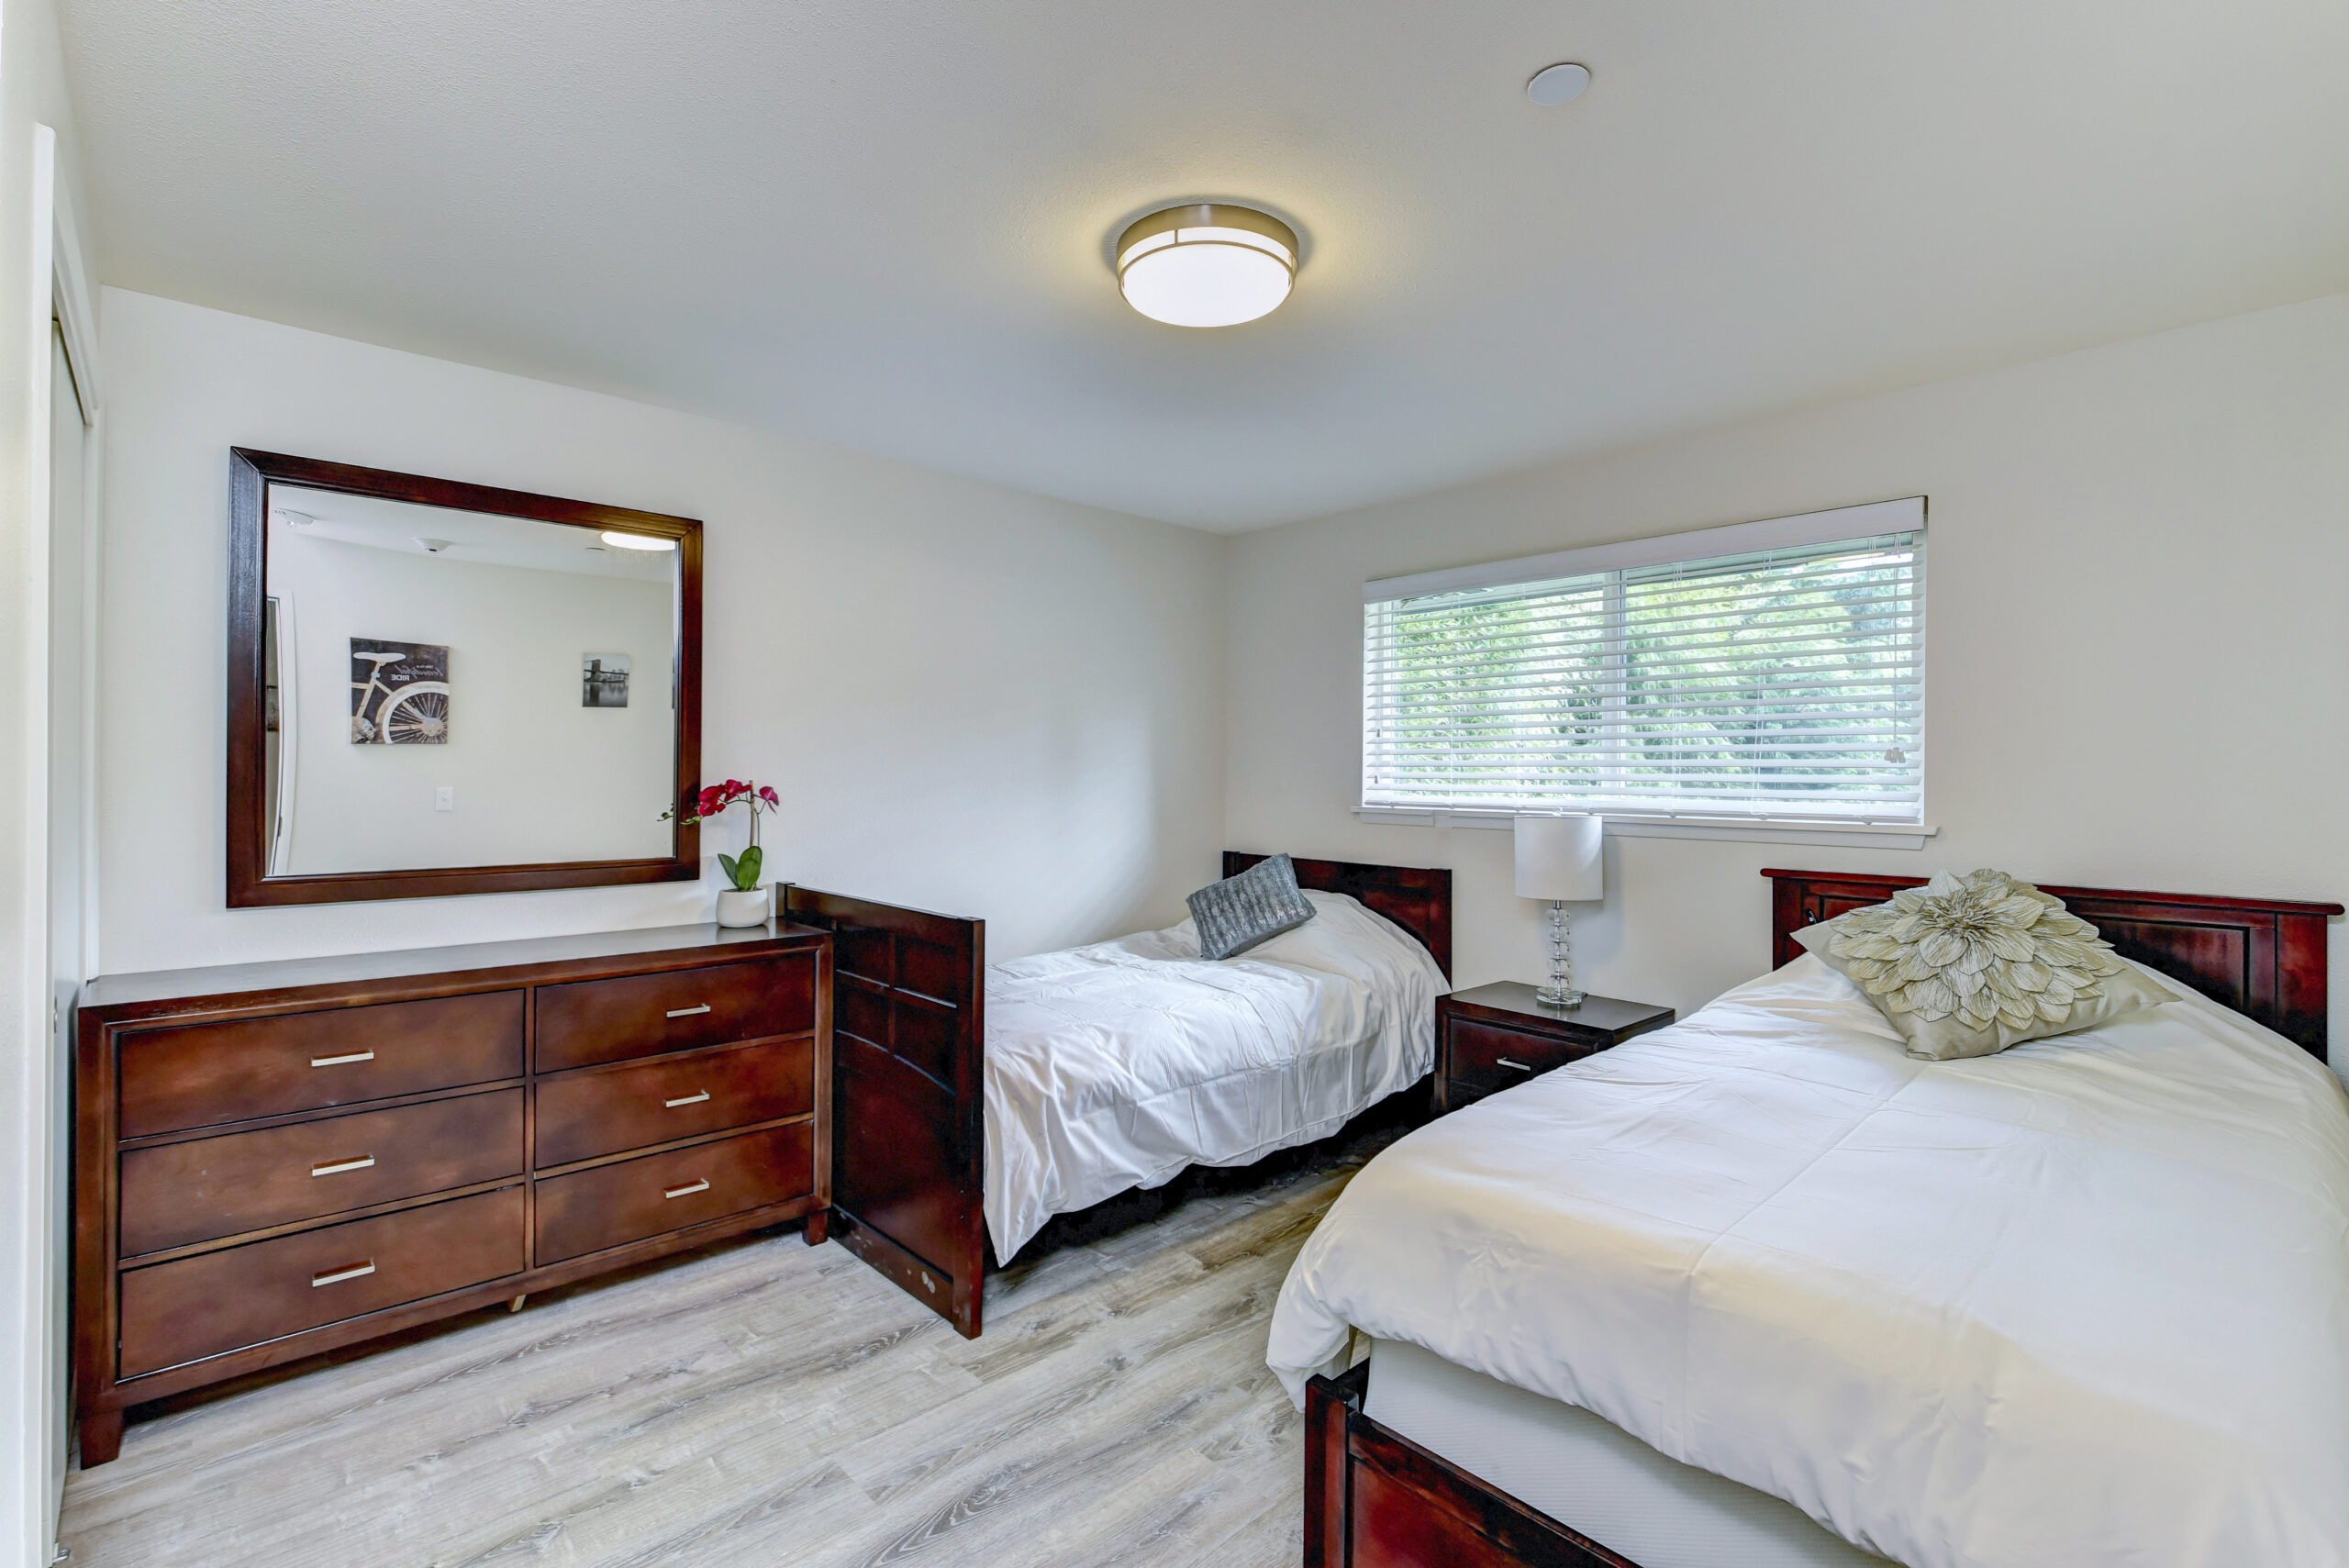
908, 1053
2263, 956
1416, 898
1375, 1499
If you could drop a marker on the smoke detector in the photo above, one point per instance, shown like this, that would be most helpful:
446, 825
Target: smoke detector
1559, 83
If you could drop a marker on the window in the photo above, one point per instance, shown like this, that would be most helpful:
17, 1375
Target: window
1771, 671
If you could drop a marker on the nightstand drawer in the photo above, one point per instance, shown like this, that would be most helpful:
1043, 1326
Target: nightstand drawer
1485, 1060
1497, 1036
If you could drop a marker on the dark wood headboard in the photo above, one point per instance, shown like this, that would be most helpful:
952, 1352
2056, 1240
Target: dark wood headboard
2263, 956
1416, 898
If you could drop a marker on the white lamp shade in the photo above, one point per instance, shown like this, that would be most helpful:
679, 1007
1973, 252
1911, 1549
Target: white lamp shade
1558, 857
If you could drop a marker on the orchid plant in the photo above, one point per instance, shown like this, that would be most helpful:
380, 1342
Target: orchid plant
742, 871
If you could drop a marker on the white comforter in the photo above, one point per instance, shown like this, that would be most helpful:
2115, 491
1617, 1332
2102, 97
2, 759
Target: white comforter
2083, 1304
1114, 1066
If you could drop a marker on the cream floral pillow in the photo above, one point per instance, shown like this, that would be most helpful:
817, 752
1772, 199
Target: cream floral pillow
1967, 966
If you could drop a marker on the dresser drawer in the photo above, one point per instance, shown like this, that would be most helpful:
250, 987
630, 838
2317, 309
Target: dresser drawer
590, 1021
1485, 1060
602, 1111
221, 1301
202, 1075
590, 1210
179, 1194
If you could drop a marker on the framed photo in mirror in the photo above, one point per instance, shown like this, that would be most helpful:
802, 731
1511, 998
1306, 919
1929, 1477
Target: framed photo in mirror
438, 688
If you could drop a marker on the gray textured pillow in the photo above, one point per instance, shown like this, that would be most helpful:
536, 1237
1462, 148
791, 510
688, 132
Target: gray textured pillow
1258, 904
1967, 966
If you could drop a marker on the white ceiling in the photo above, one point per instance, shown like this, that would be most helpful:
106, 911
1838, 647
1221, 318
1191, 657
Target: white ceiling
885, 224
483, 539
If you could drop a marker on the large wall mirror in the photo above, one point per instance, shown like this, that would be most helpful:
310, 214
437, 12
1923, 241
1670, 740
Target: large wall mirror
438, 688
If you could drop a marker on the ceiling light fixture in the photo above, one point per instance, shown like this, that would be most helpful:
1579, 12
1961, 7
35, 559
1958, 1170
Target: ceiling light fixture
1559, 83
637, 541
1206, 265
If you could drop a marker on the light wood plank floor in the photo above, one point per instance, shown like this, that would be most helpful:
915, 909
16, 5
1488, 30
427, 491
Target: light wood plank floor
771, 1403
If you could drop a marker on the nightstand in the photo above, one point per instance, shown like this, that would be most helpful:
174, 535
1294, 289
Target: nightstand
1497, 1036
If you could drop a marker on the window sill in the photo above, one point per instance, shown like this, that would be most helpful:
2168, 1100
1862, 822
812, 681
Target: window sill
1762, 830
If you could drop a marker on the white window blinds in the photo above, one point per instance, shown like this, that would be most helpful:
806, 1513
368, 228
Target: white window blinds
1782, 680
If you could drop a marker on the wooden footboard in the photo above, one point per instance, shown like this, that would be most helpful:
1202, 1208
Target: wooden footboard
908, 1042
1375, 1499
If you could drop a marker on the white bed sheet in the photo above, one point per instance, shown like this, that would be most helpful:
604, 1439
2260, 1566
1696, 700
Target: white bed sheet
1577, 1468
2086, 1302
1117, 1065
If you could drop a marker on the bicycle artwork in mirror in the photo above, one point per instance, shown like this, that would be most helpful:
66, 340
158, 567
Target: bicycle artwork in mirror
365, 603
399, 694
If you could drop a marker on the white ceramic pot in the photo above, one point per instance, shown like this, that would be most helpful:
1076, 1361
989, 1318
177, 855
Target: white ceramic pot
735, 908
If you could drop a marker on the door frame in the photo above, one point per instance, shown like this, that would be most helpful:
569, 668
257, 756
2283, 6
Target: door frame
60, 309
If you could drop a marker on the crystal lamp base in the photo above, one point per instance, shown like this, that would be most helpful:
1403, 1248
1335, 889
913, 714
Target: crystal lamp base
1562, 991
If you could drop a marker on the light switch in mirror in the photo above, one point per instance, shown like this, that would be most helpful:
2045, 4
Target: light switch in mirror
420, 643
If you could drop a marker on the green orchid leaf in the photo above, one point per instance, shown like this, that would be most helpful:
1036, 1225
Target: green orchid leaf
745, 871
726, 865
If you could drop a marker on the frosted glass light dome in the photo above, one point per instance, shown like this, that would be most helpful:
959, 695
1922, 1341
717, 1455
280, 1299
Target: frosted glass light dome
1206, 265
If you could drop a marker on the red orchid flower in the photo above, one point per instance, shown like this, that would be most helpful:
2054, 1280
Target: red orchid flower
716, 797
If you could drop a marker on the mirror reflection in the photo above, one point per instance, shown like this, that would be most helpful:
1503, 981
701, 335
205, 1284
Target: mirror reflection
450, 688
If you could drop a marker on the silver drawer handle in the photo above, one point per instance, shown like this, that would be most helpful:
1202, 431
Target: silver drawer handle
336, 1276
687, 1012
339, 1061
686, 1191
1521, 1066
689, 1100
336, 1167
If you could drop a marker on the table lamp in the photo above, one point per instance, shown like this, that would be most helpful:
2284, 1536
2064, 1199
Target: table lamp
1558, 859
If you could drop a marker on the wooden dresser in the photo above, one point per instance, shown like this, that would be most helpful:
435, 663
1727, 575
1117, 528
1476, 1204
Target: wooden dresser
275, 1160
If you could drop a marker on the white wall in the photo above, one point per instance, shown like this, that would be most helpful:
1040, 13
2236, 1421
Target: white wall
2137, 650
536, 777
971, 699
39, 170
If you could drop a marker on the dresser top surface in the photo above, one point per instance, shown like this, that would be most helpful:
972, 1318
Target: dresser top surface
214, 984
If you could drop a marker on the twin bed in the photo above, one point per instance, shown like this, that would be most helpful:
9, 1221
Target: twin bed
976, 1101
1118, 1066
1761, 1289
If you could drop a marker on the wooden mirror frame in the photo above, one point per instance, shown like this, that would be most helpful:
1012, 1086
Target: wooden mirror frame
250, 475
